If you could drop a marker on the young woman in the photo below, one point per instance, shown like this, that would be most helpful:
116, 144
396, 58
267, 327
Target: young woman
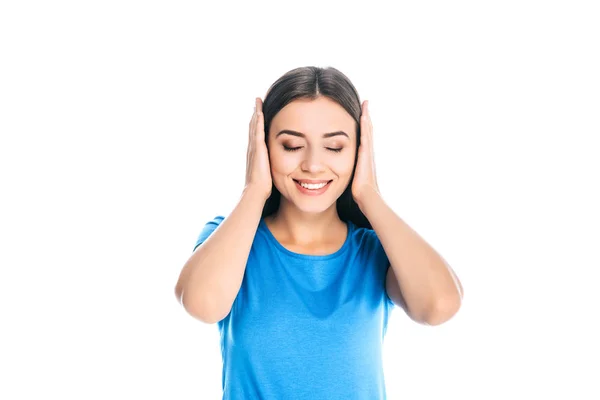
302, 275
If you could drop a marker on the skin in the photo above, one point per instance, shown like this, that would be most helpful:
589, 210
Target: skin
310, 224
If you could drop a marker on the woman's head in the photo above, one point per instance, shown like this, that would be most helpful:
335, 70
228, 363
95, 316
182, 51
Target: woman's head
312, 132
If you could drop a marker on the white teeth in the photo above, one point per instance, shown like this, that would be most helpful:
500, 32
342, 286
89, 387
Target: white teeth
313, 186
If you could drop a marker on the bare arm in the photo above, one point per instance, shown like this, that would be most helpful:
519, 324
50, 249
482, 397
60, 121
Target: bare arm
212, 276
419, 278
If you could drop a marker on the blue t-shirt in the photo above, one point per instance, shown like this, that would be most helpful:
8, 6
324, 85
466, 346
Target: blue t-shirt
307, 326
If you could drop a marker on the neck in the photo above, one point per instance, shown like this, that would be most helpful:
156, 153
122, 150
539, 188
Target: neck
300, 227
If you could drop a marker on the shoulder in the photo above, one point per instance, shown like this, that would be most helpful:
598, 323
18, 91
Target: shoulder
208, 228
366, 238
369, 247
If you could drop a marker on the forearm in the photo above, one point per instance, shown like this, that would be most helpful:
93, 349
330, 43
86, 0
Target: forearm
212, 276
428, 285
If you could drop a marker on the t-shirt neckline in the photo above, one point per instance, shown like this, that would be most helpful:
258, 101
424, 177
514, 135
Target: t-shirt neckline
315, 257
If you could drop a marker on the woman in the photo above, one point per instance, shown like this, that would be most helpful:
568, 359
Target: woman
301, 277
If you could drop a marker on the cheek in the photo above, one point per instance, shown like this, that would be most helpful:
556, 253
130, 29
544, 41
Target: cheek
282, 163
343, 164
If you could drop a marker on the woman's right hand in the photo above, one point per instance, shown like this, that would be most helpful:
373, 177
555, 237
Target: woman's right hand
258, 169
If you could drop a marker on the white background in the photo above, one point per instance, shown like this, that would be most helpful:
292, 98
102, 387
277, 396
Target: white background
124, 130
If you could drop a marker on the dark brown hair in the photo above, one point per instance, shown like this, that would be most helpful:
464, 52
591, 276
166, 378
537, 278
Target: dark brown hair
311, 83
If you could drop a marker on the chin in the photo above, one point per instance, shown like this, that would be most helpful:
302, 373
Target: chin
312, 204
313, 208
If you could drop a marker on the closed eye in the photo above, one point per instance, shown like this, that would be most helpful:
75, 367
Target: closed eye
286, 148
291, 148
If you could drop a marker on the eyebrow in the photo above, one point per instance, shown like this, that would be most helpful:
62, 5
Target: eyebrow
302, 135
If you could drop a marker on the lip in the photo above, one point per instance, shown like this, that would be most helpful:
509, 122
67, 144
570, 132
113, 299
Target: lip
312, 192
313, 181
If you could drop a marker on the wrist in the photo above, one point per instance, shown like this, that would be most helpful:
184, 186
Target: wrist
253, 193
368, 197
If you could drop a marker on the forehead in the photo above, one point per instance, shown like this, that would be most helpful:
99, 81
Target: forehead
314, 117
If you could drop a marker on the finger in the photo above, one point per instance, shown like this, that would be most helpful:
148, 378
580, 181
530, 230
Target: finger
252, 125
370, 126
260, 126
368, 122
369, 114
252, 121
365, 135
370, 140
365, 112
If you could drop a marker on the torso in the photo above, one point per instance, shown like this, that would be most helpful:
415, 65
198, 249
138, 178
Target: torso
297, 317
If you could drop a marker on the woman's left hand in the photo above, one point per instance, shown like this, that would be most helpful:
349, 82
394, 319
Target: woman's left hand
365, 178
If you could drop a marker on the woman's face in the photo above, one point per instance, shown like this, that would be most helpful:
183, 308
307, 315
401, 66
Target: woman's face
312, 140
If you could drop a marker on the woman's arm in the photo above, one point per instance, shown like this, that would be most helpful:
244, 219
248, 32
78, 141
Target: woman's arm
212, 276
418, 277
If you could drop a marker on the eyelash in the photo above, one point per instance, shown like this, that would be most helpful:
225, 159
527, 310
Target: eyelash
298, 148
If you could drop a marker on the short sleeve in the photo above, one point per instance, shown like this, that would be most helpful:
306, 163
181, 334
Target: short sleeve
383, 265
208, 229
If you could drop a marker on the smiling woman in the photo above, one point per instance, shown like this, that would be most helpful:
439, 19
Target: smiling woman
298, 279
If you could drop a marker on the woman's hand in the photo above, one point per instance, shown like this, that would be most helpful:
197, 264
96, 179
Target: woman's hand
364, 176
258, 169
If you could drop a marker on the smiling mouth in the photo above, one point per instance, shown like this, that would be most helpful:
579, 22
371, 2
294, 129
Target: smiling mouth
313, 189
320, 183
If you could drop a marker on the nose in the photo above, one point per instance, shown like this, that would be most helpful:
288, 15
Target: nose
312, 162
